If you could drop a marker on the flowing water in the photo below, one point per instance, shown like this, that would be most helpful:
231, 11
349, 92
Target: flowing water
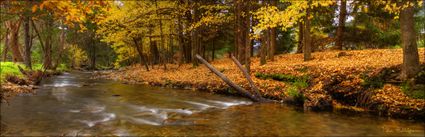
75, 105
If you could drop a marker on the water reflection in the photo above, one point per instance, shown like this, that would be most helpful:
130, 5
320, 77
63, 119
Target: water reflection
63, 107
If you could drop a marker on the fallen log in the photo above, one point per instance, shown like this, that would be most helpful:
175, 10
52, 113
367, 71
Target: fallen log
247, 76
238, 89
34, 76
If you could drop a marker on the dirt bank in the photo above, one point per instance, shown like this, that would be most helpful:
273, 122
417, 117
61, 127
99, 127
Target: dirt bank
360, 81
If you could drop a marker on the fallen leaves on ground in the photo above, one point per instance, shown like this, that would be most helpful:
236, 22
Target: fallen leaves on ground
344, 70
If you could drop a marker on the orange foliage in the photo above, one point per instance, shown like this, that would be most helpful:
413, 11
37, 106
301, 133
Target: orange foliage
346, 67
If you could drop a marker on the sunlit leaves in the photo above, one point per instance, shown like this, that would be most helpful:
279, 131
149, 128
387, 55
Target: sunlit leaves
70, 12
137, 19
271, 16
394, 7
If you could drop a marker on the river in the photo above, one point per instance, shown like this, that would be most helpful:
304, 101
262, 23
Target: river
75, 105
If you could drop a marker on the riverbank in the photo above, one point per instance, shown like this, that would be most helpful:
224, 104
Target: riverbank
364, 81
14, 82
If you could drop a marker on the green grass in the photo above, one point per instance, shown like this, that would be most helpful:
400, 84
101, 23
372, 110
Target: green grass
11, 68
278, 77
296, 83
413, 91
293, 91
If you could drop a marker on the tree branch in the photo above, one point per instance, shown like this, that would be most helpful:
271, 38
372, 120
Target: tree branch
239, 89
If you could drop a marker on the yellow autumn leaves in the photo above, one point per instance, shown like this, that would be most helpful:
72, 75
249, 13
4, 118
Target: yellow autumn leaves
70, 12
271, 16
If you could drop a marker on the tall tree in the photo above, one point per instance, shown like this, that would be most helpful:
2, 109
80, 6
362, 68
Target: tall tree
307, 37
28, 42
408, 39
271, 16
341, 24
272, 37
13, 39
27, 35
300, 37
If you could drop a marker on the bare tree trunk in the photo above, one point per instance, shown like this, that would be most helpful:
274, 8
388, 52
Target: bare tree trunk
263, 48
239, 89
307, 37
47, 60
247, 39
213, 50
195, 46
14, 40
240, 29
6, 45
236, 30
408, 39
28, 43
61, 49
300, 37
140, 51
272, 43
162, 58
341, 24
195, 39
272, 37
181, 41
189, 37
248, 77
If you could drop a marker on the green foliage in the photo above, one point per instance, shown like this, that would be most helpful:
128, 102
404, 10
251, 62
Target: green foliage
294, 93
295, 83
301, 81
405, 87
413, 91
62, 68
285, 40
374, 81
278, 77
9, 68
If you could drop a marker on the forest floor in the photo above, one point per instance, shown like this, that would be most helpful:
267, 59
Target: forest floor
364, 81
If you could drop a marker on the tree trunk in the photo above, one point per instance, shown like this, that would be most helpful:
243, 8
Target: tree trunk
6, 45
188, 37
248, 77
154, 52
242, 25
239, 31
300, 37
272, 43
239, 89
47, 57
408, 39
263, 48
61, 49
247, 43
213, 50
195, 39
307, 37
181, 41
272, 37
341, 24
93, 59
14, 40
162, 58
140, 52
28, 43
194, 46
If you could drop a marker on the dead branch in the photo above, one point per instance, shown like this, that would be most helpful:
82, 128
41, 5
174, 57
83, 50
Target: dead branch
247, 76
239, 89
